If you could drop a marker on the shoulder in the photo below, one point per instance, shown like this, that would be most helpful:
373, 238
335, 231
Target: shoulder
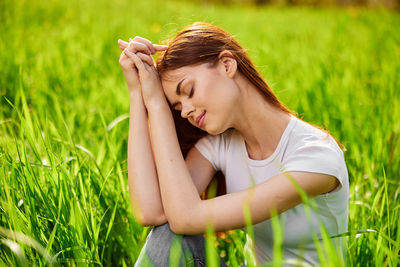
215, 147
305, 136
311, 149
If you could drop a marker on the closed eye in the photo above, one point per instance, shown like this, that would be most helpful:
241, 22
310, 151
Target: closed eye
191, 93
176, 106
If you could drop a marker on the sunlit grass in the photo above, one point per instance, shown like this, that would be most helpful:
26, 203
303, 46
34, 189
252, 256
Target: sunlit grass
64, 128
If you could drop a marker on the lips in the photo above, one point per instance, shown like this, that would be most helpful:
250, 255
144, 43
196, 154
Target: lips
200, 119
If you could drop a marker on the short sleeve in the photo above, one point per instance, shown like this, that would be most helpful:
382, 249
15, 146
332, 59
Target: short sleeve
323, 156
209, 147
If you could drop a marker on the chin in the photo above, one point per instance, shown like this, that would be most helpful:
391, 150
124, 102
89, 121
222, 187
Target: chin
215, 128
214, 131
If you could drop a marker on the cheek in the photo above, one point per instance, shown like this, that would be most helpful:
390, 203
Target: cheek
224, 105
227, 96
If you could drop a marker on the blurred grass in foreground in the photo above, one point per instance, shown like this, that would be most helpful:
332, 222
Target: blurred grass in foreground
64, 130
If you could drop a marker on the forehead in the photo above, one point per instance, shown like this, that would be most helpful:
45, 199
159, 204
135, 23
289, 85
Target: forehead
171, 78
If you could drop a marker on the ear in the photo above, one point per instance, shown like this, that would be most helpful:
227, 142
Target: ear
228, 63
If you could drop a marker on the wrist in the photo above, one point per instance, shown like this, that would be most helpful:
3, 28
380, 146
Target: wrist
155, 104
134, 93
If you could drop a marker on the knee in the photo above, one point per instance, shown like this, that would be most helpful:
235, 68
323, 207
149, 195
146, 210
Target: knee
194, 243
163, 247
161, 230
161, 239
162, 234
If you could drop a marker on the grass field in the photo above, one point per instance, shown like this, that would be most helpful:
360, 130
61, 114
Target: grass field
64, 128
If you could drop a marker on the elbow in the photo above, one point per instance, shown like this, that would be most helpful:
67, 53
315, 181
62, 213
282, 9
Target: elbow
150, 219
185, 225
178, 227
188, 221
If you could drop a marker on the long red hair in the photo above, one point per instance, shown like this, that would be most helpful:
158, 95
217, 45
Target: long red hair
201, 43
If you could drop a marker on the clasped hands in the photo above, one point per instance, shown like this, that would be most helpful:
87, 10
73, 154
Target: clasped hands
139, 68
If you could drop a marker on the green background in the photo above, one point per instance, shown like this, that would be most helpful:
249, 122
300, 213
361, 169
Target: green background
64, 126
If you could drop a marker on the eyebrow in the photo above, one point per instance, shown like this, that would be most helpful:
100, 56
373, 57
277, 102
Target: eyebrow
178, 87
178, 92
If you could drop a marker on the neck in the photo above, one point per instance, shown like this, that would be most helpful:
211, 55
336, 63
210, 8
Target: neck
260, 124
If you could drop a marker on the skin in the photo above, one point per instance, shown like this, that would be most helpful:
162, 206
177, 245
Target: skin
228, 99
142, 174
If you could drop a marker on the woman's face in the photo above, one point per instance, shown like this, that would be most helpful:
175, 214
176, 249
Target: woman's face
205, 95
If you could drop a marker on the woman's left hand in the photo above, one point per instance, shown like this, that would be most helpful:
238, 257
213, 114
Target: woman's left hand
152, 90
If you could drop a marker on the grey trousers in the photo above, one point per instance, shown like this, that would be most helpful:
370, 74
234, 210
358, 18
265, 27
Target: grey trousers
164, 248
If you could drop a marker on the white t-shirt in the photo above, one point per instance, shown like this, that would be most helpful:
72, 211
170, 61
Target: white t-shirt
302, 147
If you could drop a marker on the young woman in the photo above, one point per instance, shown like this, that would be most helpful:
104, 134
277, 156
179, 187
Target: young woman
233, 123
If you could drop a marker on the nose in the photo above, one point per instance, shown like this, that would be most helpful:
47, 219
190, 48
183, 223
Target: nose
187, 109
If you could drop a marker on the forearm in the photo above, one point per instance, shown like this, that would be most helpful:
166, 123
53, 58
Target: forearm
179, 194
142, 175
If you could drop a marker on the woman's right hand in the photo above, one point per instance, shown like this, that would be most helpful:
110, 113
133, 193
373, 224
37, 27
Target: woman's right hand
140, 47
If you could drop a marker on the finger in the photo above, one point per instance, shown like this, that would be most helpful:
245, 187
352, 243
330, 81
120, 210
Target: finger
138, 63
122, 56
142, 41
160, 47
153, 47
146, 42
146, 58
138, 47
122, 43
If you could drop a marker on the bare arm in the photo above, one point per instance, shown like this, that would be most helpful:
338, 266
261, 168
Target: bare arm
188, 214
142, 176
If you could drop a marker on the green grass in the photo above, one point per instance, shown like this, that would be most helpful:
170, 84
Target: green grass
63, 173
